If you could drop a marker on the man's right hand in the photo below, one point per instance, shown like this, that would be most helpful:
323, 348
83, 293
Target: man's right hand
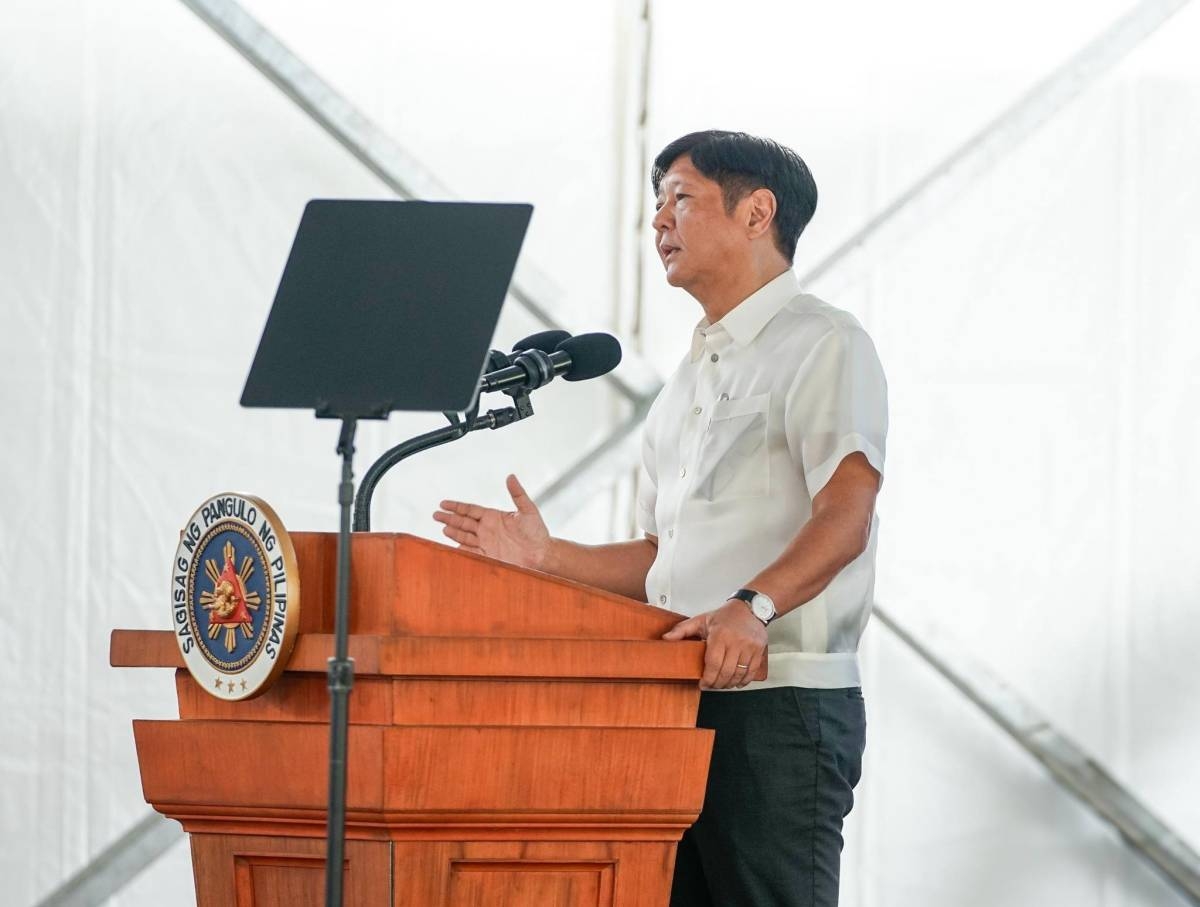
518, 537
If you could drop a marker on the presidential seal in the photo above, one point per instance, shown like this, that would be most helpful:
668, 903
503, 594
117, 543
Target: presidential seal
235, 596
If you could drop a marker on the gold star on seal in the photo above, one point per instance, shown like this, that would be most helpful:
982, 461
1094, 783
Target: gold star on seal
243, 684
230, 685
217, 683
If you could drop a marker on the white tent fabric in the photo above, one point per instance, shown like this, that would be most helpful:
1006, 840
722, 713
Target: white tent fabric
1038, 334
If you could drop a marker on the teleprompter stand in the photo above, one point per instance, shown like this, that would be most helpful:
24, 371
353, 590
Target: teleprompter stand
382, 306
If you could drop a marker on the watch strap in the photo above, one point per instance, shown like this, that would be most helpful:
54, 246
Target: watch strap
748, 596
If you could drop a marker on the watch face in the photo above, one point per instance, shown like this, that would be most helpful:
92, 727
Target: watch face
763, 607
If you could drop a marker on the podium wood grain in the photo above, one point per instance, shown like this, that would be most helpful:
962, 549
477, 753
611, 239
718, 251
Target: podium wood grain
516, 740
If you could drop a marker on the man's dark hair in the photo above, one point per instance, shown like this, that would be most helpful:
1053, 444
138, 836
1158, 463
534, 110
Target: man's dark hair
739, 164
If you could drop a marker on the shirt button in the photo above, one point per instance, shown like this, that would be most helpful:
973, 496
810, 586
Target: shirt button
724, 396
714, 357
662, 599
670, 533
698, 410
682, 471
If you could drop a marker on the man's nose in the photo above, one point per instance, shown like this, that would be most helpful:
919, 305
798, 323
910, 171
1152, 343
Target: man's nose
662, 218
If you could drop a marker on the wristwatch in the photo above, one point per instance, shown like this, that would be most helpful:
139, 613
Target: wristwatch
761, 605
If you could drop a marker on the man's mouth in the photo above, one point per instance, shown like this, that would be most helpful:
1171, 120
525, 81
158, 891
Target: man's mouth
668, 251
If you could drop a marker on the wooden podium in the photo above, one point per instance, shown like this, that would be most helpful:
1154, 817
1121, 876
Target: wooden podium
516, 740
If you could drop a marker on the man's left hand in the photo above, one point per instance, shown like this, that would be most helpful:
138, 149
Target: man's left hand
736, 644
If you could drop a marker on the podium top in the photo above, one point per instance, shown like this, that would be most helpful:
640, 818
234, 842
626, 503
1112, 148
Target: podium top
386, 305
422, 608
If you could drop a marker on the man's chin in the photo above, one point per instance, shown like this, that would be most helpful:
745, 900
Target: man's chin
674, 277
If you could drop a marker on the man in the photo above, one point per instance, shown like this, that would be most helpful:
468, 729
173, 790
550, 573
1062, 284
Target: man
763, 456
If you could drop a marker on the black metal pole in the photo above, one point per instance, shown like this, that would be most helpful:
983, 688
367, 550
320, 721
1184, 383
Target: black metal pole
341, 679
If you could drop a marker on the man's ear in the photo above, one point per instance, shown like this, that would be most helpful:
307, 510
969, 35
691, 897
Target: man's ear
760, 211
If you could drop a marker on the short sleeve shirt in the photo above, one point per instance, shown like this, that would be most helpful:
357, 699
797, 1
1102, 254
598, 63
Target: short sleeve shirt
746, 432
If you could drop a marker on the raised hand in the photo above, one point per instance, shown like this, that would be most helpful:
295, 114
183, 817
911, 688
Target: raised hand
518, 537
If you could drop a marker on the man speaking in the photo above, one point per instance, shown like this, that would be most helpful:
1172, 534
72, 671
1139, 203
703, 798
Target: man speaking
762, 456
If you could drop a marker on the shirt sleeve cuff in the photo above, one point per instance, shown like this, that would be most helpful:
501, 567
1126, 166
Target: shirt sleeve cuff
817, 477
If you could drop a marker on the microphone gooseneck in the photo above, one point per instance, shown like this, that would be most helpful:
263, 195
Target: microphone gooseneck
534, 362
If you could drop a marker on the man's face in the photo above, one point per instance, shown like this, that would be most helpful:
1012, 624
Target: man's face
697, 241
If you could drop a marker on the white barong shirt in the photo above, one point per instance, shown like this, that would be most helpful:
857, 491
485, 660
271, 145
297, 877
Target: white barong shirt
747, 431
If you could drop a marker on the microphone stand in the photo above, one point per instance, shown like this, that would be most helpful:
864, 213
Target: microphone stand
340, 679
340, 672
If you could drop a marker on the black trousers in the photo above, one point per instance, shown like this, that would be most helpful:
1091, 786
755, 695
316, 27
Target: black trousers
784, 766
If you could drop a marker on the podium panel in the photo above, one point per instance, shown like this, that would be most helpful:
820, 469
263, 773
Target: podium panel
259, 871
515, 739
508, 874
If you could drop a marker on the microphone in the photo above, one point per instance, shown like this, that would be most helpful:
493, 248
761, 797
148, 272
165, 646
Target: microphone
546, 341
576, 359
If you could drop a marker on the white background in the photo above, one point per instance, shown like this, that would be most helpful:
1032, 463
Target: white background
1039, 332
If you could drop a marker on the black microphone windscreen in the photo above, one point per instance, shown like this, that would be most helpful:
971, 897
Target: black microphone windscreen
546, 341
591, 355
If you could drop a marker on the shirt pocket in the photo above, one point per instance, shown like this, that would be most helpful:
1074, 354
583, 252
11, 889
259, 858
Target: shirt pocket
733, 460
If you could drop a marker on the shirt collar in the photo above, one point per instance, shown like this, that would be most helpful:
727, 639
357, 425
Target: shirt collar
746, 320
